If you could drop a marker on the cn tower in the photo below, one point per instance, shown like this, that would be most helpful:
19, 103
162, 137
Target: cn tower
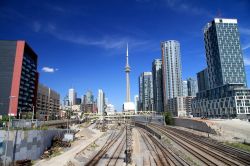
127, 71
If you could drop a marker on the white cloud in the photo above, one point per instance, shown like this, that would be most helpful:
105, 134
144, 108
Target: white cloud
245, 31
246, 46
49, 69
247, 61
180, 6
107, 42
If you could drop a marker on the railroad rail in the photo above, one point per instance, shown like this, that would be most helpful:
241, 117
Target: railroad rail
161, 154
110, 141
201, 149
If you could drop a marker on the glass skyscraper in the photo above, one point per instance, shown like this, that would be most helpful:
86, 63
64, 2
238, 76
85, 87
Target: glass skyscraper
171, 68
223, 52
146, 91
222, 85
157, 85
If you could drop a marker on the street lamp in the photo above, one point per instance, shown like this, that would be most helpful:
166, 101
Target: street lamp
6, 143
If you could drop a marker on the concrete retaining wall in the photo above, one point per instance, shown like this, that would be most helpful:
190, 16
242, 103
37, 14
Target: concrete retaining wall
193, 124
29, 144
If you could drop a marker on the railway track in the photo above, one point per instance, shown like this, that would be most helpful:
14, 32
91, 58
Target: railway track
117, 153
110, 141
200, 148
161, 155
237, 154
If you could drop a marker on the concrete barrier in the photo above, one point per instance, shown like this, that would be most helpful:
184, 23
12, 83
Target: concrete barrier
193, 124
26, 144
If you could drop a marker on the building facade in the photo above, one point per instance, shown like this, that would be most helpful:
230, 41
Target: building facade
48, 103
192, 87
171, 65
136, 99
146, 91
180, 106
223, 53
157, 85
100, 102
184, 88
18, 79
72, 96
202, 80
227, 95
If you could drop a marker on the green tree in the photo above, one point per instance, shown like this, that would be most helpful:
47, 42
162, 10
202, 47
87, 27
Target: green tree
168, 118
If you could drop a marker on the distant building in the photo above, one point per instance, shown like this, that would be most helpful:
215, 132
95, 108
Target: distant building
157, 85
89, 97
136, 98
227, 95
171, 69
192, 87
110, 109
48, 103
72, 96
18, 79
78, 101
66, 101
184, 88
100, 101
146, 91
180, 106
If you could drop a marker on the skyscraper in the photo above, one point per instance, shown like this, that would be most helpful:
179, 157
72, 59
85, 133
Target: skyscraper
72, 96
184, 88
171, 65
146, 91
18, 79
192, 87
223, 52
89, 97
100, 102
227, 95
157, 85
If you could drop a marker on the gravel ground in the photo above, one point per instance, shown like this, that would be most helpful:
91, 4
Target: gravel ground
86, 136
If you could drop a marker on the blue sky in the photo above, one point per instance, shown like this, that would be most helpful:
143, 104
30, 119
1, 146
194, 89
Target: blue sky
83, 43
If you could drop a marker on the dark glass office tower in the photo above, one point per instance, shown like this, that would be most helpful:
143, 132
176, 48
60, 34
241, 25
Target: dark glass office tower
18, 79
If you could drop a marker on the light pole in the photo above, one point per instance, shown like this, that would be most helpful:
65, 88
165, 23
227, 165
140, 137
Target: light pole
6, 142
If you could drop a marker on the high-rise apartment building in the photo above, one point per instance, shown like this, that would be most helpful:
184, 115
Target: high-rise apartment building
48, 103
171, 68
100, 101
192, 87
18, 79
146, 91
227, 95
184, 88
72, 96
157, 85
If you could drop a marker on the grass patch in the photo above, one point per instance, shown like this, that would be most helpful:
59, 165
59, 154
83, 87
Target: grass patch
239, 146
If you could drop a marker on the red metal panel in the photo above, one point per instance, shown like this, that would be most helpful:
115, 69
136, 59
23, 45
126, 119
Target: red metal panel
16, 78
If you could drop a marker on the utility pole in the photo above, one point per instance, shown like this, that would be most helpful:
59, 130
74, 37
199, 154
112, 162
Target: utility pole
6, 141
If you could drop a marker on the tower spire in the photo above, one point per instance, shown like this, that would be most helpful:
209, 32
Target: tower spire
127, 71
